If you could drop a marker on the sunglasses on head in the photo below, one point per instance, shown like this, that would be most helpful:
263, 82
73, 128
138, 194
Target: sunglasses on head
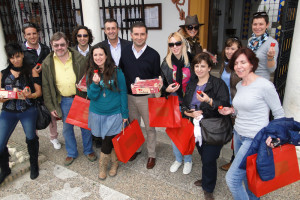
190, 27
175, 44
82, 35
260, 14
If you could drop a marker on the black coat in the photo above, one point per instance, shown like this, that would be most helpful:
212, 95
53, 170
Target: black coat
215, 89
31, 58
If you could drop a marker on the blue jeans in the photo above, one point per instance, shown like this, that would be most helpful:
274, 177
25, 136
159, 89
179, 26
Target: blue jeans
236, 176
9, 120
68, 132
178, 155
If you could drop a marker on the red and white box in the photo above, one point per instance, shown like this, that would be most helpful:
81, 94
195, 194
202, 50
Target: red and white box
11, 94
146, 86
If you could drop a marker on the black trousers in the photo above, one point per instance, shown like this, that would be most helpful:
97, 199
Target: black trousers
209, 155
107, 144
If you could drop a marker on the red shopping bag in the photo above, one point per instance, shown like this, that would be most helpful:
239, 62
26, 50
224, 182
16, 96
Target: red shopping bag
183, 137
164, 112
79, 112
286, 171
128, 141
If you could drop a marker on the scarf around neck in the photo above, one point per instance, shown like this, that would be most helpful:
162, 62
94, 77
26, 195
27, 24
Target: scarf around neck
179, 64
260, 40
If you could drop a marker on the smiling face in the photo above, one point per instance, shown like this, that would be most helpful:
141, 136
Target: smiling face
192, 33
99, 57
60, 47
31, 35
242, 66
82, 38
202, 69
176, 49
17, 60
111, 30
139, 37
229, 51
259, 26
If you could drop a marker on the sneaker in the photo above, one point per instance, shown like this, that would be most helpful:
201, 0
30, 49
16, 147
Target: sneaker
175, 166
92, 157
187, 167
56, 144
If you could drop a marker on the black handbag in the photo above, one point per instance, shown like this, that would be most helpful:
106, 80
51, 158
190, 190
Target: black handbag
216, 131
44, 116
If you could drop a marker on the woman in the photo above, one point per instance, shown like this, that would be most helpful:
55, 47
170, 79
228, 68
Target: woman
176, 69
214, 94
190, 31
229, 77
14, 110
108, 107
252, 103
260, 44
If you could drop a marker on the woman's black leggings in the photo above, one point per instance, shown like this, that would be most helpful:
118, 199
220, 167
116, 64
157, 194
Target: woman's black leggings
107, 144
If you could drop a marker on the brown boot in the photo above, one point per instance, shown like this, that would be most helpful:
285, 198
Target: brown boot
114, 164
226, 166
103, 163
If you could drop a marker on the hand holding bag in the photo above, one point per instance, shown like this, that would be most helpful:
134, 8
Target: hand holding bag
79, 112
128, 141
286, 171
183, 137
164, 112
216, 131
43, 117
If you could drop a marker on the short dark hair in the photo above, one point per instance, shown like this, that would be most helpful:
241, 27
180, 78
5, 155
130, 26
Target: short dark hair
258, 15
12, 49
111, 20
199, 58
30, 25
74, 34
138, 25
251, 56
57, 36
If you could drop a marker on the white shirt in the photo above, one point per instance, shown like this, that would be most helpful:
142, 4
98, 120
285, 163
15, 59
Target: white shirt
138, 54
83, 52
38, 51
115, 52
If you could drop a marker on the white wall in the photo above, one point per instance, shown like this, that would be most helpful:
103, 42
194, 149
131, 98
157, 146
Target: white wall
3, 60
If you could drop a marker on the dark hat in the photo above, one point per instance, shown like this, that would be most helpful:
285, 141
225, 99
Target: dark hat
191, 20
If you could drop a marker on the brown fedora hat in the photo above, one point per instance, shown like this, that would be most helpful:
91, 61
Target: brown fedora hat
191, 20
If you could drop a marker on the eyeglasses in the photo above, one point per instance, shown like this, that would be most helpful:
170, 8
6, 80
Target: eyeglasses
260, 14
82, 35
190, 27
61, 45
175, 44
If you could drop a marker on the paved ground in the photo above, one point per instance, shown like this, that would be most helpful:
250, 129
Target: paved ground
134, 181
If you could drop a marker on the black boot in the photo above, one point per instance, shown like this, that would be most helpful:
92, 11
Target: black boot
5, 170
33, 150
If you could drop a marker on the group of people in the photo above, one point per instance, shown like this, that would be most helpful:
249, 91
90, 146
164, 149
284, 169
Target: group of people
111, 66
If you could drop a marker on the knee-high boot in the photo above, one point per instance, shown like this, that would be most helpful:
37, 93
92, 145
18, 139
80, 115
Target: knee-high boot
33, 150
5, 170
103, 163
114, 164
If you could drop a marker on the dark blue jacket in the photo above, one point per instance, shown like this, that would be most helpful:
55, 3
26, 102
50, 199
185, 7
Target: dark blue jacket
284, 128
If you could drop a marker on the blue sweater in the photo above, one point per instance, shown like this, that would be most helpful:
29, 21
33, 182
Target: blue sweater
114, 102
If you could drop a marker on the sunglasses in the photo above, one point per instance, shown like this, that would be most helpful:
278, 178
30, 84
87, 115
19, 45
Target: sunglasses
190, 27
82, 35
260, 14
175, 44
61, 45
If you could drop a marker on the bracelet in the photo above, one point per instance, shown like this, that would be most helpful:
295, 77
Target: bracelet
271, 59
34, 96
209, 101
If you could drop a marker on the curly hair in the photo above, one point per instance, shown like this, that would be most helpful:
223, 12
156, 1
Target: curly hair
74, 34
109, 72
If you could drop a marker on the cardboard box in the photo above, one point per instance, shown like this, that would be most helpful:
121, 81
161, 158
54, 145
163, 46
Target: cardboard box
9, 94
146, 86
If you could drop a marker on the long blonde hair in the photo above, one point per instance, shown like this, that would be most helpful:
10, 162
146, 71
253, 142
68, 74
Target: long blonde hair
180, 38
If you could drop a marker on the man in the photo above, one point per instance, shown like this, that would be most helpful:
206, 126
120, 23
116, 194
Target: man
34, 53
82, 38
62, 69
140, 60
113, 42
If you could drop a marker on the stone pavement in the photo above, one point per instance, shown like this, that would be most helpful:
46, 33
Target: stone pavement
134, 181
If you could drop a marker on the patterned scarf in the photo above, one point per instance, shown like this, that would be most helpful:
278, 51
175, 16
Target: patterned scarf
260, 40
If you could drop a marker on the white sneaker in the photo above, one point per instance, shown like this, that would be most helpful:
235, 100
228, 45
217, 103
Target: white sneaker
175, 166
187, 167
56, 144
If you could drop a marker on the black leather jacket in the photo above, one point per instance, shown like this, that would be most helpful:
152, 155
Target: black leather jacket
30, 56
215, 89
